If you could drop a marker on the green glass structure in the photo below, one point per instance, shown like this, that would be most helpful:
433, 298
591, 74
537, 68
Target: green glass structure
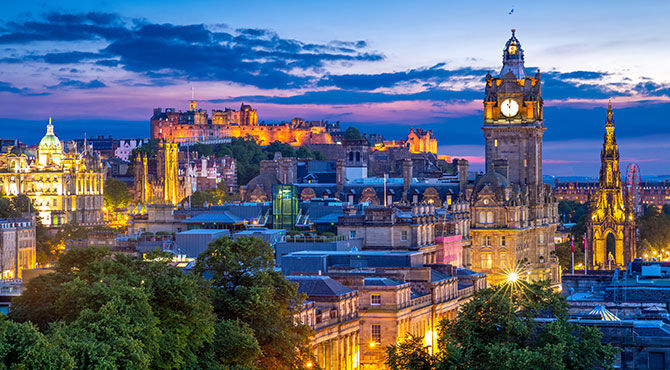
284, 207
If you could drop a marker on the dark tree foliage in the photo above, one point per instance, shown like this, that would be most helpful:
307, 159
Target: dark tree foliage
352, 133
116, 194
114, 312
498, 329
246, 288
248, 154
654, 231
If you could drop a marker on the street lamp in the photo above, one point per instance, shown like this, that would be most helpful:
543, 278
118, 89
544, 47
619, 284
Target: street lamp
512, 277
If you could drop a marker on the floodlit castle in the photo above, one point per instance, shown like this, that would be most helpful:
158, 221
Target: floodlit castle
66, 187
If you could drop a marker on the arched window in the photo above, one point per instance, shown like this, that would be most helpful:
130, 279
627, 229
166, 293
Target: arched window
489, 217
482, 217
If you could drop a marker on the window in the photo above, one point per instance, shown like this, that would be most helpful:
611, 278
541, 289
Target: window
376, 333
487, 261
541, 237
482, 217
489, 217
486, 241
352, 234
375, 299
657, 360
403, 235
333, 313
503, 260
503, 241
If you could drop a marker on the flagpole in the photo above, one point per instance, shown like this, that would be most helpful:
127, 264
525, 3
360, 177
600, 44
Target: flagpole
572, 246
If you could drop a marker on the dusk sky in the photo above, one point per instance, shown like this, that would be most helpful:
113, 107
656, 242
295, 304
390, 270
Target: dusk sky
382, 66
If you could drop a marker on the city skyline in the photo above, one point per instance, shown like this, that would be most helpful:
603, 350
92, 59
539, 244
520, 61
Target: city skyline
403, 67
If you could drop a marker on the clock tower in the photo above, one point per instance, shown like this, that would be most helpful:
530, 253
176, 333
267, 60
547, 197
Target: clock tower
513, 215
513, 126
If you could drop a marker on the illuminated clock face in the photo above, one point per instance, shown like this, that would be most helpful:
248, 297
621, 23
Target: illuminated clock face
512, 49
509, 108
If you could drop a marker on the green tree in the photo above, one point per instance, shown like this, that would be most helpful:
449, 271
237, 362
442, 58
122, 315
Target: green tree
248, 289
498, 329
352, 133
116, 194
115, 312
22, 346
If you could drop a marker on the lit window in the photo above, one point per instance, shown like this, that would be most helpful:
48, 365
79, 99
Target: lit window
487, 260
375, 299
376, 333
352, 234
503, 260
489, 217
403, 235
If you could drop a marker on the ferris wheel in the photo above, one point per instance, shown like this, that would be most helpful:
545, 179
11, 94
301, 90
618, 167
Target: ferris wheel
633, 185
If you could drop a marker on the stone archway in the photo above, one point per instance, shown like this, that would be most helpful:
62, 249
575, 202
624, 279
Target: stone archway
610, 249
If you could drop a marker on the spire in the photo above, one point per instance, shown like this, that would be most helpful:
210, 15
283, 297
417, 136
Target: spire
50, 128
513, 58
610, 114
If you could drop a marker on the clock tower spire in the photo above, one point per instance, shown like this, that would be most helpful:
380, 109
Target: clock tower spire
513, 124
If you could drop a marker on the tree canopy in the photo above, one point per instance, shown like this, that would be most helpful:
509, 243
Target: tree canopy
116, 194
250, 297
498, 329
115, 312
352, 133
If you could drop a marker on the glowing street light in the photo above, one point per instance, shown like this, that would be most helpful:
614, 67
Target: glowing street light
512, 277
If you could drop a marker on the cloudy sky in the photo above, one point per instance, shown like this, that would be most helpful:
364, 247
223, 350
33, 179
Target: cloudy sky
382, 66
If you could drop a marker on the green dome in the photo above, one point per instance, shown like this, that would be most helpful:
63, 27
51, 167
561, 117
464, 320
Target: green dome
50, 141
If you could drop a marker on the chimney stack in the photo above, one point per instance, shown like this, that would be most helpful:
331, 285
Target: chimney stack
407, 174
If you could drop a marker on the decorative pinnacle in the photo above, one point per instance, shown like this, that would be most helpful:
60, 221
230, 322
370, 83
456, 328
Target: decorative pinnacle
513, 30
610, 115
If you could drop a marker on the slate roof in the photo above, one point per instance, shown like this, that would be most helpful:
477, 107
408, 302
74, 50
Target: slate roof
380, 281
319, 286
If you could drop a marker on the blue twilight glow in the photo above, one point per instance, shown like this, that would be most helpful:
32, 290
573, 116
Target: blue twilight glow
366, 63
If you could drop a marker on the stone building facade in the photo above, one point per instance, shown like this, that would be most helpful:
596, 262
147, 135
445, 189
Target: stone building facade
157, 178
17, 247
66, 187
195, 124
333, 313
393, 228
513, 214
610, 228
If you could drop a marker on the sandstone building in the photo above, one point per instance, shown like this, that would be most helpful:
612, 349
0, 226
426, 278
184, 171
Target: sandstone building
66, 187
513, 214
611, 223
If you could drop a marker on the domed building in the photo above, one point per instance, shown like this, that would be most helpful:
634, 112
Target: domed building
66, 187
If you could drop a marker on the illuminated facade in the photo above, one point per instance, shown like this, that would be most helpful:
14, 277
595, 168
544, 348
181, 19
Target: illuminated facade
611, 225
66, 187
196, 124
157, 179
17, 247
513, 214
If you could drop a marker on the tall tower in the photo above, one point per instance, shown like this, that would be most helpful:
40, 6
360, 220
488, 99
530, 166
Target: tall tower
513, 124
513, 215
611, 225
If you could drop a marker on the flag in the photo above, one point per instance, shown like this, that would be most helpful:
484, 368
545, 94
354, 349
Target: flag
572, 245
585, 242
511, 11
